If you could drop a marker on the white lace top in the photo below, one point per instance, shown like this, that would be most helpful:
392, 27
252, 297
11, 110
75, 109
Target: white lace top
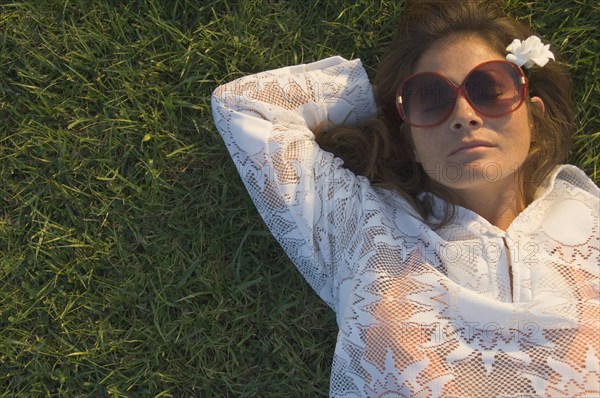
421, 313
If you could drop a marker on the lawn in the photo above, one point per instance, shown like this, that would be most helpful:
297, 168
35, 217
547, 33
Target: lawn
132, 262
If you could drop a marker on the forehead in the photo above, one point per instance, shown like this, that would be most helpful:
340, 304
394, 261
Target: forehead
455, 57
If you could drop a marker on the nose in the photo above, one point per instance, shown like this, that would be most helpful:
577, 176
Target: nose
464, 115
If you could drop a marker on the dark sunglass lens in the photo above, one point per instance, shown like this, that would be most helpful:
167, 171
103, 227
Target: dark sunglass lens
494, 88
427, 99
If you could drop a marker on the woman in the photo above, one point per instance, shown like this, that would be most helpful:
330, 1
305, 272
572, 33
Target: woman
460, 258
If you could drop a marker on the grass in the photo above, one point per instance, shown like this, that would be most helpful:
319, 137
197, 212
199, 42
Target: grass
132, 263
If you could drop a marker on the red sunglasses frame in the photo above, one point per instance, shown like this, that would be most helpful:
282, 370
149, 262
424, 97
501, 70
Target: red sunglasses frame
522, 81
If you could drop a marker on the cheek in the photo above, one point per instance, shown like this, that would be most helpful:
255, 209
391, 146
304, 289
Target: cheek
428, 146
522, 131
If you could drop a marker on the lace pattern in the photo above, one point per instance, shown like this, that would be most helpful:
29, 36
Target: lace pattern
420, 312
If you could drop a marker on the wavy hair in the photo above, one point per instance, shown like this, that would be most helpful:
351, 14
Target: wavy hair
382, 149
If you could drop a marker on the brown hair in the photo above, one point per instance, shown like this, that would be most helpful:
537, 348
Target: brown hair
382, 148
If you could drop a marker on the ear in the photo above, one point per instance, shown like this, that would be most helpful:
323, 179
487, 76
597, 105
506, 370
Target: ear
538, 103
416, 156
406, 133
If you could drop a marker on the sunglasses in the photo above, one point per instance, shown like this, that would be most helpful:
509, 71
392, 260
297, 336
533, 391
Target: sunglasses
493, 88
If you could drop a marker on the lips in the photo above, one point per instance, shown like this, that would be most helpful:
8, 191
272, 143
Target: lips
465, 146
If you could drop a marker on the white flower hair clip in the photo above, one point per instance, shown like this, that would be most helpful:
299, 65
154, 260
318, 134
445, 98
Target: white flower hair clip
529, 52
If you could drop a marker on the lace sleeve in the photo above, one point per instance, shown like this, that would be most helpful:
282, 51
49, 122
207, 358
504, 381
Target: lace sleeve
308, 200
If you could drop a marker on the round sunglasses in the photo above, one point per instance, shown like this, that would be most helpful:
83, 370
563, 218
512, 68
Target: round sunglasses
493, 88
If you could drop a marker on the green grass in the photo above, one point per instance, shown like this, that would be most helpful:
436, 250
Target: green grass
132, 263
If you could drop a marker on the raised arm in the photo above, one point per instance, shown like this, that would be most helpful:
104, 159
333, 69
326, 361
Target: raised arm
303, 193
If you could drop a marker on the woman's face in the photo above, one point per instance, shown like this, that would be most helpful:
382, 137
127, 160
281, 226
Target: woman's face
469, 150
